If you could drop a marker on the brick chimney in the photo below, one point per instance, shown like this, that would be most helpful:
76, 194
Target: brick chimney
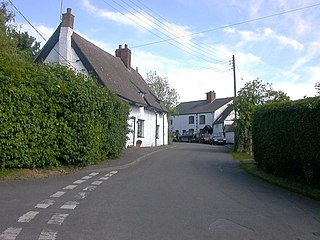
124, 54
67, 19
211, 96
66, 31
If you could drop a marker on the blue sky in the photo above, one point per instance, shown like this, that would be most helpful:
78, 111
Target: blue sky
283, 50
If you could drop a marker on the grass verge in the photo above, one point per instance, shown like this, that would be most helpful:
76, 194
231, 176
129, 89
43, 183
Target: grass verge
20, 174
293, 185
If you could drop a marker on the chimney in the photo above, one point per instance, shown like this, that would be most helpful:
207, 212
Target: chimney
124, 54
211, 96
67, 19
66, 31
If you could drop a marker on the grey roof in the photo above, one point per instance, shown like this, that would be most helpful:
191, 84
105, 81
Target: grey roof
111, 72
202, 106
223, 115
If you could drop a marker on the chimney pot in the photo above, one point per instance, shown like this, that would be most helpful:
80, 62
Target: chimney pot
211, 96
67, 19
124, 54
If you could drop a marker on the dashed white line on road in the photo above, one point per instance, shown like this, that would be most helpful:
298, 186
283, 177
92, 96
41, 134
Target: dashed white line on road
45, 203
79, 181
10, 233
97, 182
48, 235
58, 218
28, 216
86, 177
89, 188
114, 172
69, 205
104, 178
81, 195
93, 174
69, 187
57, 194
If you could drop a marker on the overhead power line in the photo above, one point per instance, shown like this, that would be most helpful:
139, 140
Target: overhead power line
232, 25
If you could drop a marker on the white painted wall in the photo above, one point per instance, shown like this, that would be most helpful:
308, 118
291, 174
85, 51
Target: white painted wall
181, 122
151, 119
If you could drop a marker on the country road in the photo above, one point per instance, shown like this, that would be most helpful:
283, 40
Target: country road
189, 191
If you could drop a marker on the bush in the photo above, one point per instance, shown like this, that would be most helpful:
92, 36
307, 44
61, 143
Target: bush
51, 116
286, 139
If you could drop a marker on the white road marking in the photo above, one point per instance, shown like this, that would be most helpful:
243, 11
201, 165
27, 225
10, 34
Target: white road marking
28, 216
108, 175
58, 218
89, 188
104, 178
93, 174
69, 205
81, 195
45, 203
114, 172
48, 235
58, 194
10, 233
86, 177
79, 181
97, 182
69, 187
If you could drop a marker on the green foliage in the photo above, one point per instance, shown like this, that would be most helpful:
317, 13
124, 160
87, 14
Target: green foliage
253, 93
160, 86
52, 116
286, 139
25, 45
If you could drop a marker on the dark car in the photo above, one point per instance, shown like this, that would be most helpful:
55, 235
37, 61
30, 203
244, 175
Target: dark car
186, 137
219, 140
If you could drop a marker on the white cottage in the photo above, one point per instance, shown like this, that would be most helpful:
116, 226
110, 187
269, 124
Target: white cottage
148, 116
210, 115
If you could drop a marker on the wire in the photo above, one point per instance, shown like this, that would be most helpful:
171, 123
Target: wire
188, 50
208, 49
233, 24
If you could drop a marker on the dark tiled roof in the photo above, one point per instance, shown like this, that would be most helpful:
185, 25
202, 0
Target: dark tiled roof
223, 115
202, 106
127, 83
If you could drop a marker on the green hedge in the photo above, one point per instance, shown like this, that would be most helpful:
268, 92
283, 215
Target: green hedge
51, 116
286, 139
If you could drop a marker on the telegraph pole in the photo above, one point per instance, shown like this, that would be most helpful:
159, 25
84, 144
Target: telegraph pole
234, 76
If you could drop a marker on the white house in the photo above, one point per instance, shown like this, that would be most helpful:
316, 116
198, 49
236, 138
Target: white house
148, 116
213, 115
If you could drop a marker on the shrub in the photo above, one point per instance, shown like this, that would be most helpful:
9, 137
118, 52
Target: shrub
286, 139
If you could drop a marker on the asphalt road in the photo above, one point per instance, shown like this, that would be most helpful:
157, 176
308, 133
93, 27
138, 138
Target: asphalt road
189, 191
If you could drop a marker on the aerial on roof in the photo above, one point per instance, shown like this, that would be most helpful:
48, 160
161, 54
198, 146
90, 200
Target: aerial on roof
111, 71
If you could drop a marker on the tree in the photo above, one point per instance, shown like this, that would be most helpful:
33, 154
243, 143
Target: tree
25, 44
160, 87
252, 94
317, 87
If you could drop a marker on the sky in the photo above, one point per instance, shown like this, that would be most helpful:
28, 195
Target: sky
191, 42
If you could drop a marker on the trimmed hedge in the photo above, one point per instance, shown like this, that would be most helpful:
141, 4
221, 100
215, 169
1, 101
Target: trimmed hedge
52, 116
286, 139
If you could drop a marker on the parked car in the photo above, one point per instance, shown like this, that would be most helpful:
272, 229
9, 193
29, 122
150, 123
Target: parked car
205, 138
186, 137
219, 140
175, 137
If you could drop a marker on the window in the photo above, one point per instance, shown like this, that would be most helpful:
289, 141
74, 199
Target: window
157, 131
141, 128
202, 119
171, 122
191, 119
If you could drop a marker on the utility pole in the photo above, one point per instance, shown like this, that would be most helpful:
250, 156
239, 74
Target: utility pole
234, 76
